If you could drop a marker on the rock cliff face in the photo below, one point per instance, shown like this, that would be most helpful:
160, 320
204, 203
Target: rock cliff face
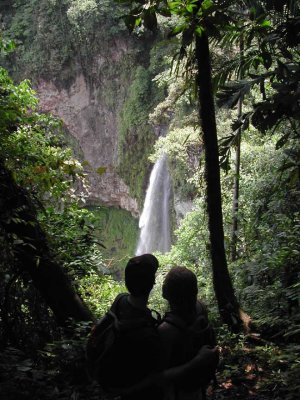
82, 61
94, 126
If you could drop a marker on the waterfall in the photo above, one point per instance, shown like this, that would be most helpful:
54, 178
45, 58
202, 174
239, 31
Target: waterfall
154, 222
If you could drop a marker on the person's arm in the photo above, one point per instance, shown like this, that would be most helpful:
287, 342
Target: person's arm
168, 337
207, 359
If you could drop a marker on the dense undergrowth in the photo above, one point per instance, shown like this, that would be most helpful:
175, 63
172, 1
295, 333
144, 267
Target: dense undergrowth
117, 229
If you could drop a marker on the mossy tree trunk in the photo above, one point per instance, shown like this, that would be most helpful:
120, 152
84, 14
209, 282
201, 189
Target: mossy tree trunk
18, 220
227, 302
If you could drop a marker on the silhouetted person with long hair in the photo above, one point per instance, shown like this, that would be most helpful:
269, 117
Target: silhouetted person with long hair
183, 332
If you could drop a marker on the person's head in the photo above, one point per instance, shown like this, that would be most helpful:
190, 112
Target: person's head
140, 274
180, 289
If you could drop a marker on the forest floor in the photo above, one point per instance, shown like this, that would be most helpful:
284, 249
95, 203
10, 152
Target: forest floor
244, 387
246, 371
258, 372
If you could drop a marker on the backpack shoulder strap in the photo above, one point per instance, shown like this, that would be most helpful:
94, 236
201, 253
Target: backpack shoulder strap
114, 306
113, 311
130, 324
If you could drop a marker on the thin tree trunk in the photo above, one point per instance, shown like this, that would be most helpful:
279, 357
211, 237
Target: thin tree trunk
236, 192
227, 302
236, 185
19, 220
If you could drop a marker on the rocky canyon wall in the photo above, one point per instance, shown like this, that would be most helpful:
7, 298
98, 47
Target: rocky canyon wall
89, 109
81, 61
94, 125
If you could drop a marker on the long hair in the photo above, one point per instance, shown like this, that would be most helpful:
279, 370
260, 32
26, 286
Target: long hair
180, 290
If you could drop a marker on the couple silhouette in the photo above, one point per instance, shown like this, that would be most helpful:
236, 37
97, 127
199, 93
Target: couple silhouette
151, 358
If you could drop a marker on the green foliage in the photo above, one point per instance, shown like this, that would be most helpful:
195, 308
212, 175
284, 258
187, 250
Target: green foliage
183, 147
99, 291
50, 34
48, 167
32, 145
117, 230
265, 369
71, 235
268, 220
286, 371
56, 372
16, 101
268, 60
177, 114
52, 364
268, 249
265, 276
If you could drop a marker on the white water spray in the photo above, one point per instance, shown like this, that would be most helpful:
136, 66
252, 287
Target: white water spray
154, 222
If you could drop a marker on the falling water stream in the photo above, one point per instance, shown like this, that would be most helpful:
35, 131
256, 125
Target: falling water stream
154, 222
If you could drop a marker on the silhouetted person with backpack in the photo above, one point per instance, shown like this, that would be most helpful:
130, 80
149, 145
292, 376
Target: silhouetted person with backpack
184, 331
124, 348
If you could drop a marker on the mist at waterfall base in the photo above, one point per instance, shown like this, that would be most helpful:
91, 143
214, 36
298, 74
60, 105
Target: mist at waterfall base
154, 223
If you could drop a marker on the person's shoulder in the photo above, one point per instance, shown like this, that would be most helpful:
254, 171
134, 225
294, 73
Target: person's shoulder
119, 302
175, 320
120, 298
164, 326
168, 332
122, 295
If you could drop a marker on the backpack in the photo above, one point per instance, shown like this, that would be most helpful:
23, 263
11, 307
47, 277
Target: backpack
120, 352
193, 337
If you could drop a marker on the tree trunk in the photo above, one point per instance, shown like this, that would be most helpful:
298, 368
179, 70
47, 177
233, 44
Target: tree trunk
236, 192
236, 185
227, 302
19, 220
